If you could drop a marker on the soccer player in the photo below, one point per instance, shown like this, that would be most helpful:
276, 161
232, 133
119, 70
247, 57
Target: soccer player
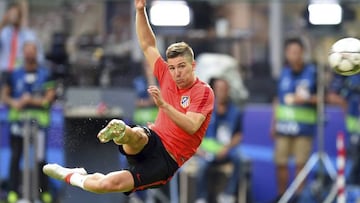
154, 153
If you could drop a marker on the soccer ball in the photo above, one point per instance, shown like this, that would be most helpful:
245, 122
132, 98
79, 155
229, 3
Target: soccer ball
344, 56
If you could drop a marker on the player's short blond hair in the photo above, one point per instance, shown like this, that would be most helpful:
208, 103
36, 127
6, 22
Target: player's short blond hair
180, 49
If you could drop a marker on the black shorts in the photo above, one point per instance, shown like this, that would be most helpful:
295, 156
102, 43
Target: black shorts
153, 166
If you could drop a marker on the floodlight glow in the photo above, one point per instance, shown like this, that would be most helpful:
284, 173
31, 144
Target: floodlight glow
169, 13
325, 13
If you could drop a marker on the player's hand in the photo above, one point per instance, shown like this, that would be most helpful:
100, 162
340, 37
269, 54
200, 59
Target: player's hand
140, 4
156, 95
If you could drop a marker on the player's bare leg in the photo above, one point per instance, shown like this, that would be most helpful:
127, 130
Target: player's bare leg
118, 181
133, 139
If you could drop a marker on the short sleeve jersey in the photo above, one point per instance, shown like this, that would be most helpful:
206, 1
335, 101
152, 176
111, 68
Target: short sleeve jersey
198, 98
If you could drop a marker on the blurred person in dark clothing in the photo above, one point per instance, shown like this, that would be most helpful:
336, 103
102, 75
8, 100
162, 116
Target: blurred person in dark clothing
221, 144
28, 90
345, 92
295, 116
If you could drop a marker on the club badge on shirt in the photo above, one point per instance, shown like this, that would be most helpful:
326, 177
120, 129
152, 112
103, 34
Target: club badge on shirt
185, 101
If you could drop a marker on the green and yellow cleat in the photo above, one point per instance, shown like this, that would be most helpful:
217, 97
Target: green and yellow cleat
114, 130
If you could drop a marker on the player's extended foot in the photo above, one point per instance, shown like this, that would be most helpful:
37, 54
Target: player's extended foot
58, 172
114, 130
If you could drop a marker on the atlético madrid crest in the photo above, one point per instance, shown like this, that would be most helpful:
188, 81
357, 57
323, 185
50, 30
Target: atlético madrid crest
185, 101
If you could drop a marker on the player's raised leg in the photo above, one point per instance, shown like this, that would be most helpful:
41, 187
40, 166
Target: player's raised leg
119, 181
133, 139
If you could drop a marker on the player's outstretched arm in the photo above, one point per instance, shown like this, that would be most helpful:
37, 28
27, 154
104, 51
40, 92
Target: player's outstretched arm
146, 36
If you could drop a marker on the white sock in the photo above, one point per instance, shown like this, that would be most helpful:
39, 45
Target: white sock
77, 179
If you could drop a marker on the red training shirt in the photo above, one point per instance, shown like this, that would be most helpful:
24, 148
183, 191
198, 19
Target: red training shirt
198, 98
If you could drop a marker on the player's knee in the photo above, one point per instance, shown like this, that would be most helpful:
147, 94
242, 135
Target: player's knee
106, 186
137, 129
140, 136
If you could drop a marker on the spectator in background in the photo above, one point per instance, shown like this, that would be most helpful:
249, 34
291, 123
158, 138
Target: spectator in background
221, 143
295, 117
28, 89
345, 92
145, 108
13, 35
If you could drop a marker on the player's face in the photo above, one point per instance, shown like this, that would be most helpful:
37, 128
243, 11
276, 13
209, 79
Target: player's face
182, 71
